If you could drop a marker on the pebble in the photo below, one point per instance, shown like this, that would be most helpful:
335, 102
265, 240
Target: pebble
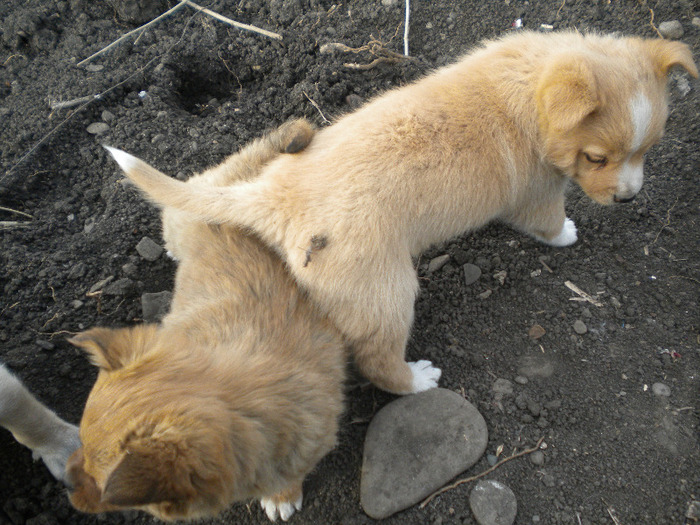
416, 444
549, 481
491, 459
671, 29
101, 284
155, 305
502, 386
537, 458
696, 21
107, 116
521, 380
438, 262
149, 249
580, 327
120, 287
493, 503
45, 345
98, 128
471, 273
693, 512
536, 332
661, 390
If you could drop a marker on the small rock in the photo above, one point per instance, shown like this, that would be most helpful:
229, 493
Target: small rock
580, 327
75, 304
414, 445
130, 269
521, 380
149, 249
101, 284
549, 481
493, 503
155, 305
438, 262
537, 458
485, 295
534, 407
693, 512
696, 21
491, 459
502, 386
460, 256
107, 116
471, 273
98, 128
78, 271
45, 345
389, 3
94, 68
671, 29
354, 101
121, 287
536, 332
661, 390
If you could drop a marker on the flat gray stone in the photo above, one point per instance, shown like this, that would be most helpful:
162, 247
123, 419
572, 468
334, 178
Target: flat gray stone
493, 503
149, 249
580, 327
471, 273
155, 305
415, 445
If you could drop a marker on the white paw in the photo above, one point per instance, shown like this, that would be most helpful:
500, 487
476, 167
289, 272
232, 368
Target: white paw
171, 256
567, 236
283, 510
425, 375
56, 452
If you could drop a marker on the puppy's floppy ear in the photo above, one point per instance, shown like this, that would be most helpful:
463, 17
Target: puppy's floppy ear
111, 349
666, 54
566, 93
148, 473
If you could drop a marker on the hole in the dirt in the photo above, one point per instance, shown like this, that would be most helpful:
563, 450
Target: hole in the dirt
198, 82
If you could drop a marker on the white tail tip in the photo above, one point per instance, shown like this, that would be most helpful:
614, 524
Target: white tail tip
125, 160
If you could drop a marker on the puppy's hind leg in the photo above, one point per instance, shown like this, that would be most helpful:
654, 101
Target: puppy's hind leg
380, 356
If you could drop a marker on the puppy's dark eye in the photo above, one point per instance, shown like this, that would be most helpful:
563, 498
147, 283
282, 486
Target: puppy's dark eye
600, 160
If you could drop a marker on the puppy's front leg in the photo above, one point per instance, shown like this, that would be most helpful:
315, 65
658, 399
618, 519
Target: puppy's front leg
547, 222
284, 503
35, 426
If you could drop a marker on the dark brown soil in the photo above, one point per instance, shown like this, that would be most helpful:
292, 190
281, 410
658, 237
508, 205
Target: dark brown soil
203, 90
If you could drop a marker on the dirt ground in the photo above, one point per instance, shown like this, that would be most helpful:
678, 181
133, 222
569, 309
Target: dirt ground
192, 90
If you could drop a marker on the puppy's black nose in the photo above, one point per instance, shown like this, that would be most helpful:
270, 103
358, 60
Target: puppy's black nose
626, 199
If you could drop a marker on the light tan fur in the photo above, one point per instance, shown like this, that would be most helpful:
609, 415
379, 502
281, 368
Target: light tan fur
495, 136
237, 393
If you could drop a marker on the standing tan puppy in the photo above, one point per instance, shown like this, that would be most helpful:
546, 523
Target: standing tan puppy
236, 395
495, 136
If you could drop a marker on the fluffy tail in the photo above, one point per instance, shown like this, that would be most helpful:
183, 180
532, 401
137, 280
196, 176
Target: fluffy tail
240, 205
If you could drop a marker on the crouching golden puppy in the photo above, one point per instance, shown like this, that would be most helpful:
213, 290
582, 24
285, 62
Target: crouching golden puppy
235, 395
495, 136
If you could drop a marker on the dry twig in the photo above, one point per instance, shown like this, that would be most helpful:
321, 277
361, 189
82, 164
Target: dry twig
584, 296
177, 7
133, 32
10, 210
484, 473
313, 103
